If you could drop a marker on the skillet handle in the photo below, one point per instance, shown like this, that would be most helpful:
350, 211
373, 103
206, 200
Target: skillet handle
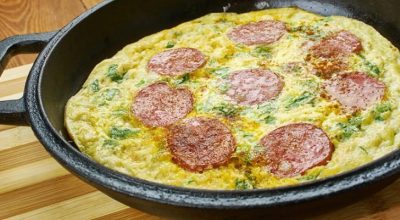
13, 112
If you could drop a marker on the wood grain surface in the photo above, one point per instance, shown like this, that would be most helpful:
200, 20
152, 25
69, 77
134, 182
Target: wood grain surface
32, 16
35, 186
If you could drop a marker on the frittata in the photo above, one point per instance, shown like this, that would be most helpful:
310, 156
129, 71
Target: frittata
261, 99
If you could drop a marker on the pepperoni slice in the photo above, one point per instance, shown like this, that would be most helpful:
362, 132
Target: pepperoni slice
292, 149
254, 86
200, 143
329, 56
355, 90
176, 62
160, 105
337, 44
262, 32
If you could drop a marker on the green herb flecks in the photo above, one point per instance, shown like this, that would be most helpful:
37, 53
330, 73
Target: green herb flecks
224, 87
110, 143
227, 110
109, 94
371, 67
313, 32
266, 108
380, 110
246, 135
311, 176
304, 98
243, 151
363, 150
120, 113
140, 83
269, 119
222, 72
262, 52
242, 184
170, 44
351, 127
114, 74
95, 86
122, 133
185, 78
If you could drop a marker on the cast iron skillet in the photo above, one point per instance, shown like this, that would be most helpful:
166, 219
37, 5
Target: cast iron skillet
69, 54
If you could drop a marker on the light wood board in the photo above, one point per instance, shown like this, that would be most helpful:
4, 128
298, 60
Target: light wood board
32, 16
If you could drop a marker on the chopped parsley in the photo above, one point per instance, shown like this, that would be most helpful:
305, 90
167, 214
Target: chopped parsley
121, 133
363, 150
242, 184
110, 143
379, 111
312, 176
245, 135
222, 72
313, 32
261, 52
120, 113
269, 119
371, 67
224, 87
170, 44
113, 73
266, 108
304, 98
95, 86
374, 68
351, 127
140, 83
227, 110
185, 78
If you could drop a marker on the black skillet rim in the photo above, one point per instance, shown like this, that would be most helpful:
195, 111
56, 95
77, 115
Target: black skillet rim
90, 171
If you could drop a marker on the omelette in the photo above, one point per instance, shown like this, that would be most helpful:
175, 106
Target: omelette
262, 99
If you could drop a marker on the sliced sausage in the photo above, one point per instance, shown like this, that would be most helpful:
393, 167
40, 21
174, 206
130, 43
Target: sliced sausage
330, 55
337, 44
355, 90
292, 149
198, 144
160, 105
262, 32
176, 62
254, 86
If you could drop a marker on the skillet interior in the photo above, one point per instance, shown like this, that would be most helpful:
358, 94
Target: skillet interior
118, 23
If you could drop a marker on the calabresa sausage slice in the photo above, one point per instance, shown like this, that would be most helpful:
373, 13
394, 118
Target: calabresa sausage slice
331, 54
254, 86
160, 105
338, 44
261, 32
294, 148
355, 90
198, 144
176, 62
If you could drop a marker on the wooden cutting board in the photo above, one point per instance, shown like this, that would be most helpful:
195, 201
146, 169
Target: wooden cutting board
34, 186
